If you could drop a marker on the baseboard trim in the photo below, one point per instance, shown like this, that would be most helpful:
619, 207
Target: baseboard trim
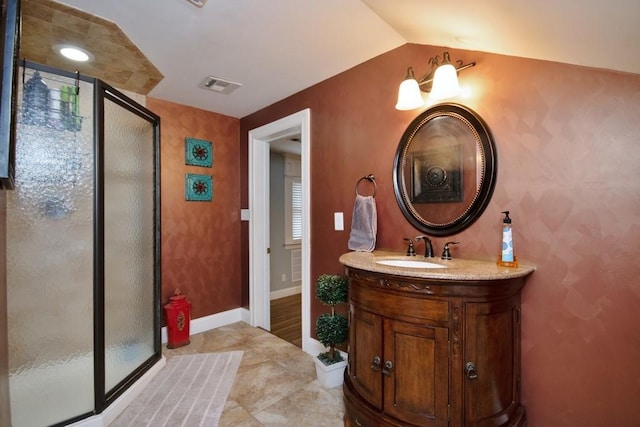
282, 293
206, 323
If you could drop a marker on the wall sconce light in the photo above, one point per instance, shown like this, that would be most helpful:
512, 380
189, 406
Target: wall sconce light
441, 81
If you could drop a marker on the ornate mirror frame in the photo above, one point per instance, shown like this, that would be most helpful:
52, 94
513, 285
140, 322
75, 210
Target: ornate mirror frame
445, 169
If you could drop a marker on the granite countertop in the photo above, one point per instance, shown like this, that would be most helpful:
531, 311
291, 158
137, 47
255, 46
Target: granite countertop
456, 269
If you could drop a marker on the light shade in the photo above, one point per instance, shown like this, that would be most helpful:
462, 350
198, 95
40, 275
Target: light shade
409, 95
445, 82
74, 53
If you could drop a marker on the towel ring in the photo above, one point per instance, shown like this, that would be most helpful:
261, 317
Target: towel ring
371, 179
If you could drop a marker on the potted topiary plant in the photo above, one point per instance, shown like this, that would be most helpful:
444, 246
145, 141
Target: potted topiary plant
331, 329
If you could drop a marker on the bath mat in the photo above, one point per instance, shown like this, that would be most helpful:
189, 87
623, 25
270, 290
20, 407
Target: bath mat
191, 390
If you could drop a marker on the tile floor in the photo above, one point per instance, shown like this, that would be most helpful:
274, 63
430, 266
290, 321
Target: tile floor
276, 383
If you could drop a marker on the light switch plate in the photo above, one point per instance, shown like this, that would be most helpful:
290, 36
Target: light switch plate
338, 221
244, 214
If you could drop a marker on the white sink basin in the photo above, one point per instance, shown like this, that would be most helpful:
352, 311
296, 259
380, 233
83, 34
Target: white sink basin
409, 263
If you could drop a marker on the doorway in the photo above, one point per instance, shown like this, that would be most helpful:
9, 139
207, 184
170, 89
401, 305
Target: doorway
285, 236
259, 222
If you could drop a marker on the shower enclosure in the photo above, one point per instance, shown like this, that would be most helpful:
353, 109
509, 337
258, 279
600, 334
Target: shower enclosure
83, 257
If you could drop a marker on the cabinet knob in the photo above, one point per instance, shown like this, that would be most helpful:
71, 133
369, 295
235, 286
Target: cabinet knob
375, 364
470, 369
388, 366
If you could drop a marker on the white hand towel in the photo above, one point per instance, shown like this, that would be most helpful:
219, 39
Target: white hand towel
364, 224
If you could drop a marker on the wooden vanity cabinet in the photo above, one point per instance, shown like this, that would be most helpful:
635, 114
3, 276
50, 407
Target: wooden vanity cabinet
426, 352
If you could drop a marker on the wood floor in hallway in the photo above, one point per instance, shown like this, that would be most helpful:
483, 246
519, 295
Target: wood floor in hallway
286, 319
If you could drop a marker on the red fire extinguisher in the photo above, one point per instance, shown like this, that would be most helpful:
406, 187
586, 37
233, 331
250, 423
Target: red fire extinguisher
177, 315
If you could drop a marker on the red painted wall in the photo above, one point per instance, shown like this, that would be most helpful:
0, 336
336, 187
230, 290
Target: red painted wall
200, 240
568, 170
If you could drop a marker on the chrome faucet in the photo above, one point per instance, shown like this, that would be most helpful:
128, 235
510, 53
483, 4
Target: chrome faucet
428, 248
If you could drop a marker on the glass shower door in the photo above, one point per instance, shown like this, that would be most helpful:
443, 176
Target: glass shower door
129, 228
50, 242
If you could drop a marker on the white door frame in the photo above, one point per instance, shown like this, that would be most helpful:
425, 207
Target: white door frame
259, 292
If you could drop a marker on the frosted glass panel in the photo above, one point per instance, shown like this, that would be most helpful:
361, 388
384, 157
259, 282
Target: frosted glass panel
129, 237
50, 254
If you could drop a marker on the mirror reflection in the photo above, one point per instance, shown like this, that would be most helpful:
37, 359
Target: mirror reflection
444, 170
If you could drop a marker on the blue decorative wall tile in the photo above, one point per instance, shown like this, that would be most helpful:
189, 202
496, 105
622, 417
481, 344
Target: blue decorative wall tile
198, 152
198, 187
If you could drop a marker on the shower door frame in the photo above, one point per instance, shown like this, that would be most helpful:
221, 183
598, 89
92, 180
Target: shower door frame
101, 92
104, 91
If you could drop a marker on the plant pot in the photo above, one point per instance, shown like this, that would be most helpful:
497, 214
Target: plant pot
330, 376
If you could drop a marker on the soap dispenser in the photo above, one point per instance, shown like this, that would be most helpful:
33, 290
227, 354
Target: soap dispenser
507, 257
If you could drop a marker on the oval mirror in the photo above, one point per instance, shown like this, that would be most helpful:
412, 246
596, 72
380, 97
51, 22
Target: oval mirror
445, 169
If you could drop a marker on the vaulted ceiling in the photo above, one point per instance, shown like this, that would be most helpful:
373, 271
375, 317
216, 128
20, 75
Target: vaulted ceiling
275, 48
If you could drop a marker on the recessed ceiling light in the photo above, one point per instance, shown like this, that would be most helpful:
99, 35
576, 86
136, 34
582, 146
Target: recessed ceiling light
74, 53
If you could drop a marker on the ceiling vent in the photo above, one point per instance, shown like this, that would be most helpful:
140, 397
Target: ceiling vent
219, 85
198, 3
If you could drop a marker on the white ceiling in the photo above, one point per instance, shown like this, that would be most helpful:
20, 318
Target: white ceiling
275, 48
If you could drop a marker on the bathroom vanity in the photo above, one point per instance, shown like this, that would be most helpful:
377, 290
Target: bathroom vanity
433, 344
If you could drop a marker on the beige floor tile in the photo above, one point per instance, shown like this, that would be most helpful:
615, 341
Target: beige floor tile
276, 382
309, 406
235, 415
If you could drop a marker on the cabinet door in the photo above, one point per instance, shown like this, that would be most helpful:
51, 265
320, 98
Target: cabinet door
416, 373
492, 391
365, 355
